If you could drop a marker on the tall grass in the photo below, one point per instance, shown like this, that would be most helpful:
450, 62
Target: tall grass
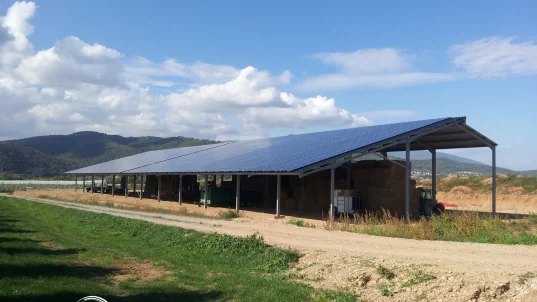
451, 226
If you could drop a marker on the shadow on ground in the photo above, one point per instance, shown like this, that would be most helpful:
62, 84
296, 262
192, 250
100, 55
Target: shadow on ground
13, 243
157, 296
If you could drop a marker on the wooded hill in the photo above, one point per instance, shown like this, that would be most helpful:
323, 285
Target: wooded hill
51, 155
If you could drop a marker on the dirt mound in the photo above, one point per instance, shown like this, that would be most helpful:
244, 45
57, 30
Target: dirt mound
487, 181
461, 189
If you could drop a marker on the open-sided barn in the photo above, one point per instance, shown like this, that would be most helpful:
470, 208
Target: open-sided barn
315, 172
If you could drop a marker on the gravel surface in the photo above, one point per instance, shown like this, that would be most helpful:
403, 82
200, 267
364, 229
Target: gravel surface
377, 268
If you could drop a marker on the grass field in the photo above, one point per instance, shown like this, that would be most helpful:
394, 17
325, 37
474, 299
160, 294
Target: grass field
49, 253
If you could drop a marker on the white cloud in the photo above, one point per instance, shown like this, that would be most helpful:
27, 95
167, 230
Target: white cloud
373, 67
251, 87
389, 67
14, 30
142, 70
54, 112
302, 113
496, 56
371, 60
381, 80
72, 62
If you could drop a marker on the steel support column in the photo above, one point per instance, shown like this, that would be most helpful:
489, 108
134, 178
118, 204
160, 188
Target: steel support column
92, 182
126, 186
238, 195
76, 182
302, 194
180, 191
407, 183
493, 180
332, 182
134, 184
266, 189
349, 176
433, 176
102, 184
113, 185
159, 181
84, 184
141, 186
206, 188
278, 194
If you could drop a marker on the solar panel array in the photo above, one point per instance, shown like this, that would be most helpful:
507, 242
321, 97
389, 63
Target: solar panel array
270, 155
134, 161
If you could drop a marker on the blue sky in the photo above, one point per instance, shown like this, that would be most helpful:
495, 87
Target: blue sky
242, 69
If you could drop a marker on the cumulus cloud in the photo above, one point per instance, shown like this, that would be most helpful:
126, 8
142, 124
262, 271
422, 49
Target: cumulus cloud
74, 86
14, 28
251, 87
302, 113
72, 62
496, 56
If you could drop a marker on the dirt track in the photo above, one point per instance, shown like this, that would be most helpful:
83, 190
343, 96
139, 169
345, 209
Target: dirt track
344, 260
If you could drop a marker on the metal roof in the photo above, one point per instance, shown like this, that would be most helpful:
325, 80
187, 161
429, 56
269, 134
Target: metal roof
294, 154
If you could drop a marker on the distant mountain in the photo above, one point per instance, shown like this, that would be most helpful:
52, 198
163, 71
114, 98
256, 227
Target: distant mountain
51, 155
528, 173
446, 166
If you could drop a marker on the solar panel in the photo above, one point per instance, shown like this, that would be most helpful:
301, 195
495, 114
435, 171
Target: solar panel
138, 160
282, 154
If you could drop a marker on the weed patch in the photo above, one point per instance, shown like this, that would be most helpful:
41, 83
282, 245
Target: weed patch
417, 278
385, 291
300, 223
385, 272
228, 215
